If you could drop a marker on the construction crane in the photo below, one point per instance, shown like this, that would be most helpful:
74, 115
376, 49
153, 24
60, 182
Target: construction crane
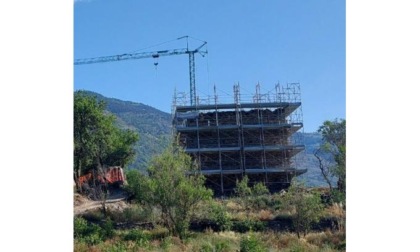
156, 54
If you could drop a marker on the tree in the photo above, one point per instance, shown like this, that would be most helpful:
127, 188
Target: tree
174, 186
331, 154
306, 208
97, 139
122, 151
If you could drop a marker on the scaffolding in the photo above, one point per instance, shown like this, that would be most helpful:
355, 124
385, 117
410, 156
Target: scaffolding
251, 136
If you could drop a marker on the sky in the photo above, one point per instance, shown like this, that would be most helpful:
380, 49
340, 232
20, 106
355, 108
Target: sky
248, 42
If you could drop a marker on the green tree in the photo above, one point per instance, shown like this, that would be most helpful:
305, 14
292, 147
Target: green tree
174, 186
122, 149
97, 139
331, 154
306, 208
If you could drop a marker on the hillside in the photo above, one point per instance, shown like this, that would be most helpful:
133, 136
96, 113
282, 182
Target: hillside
154, 128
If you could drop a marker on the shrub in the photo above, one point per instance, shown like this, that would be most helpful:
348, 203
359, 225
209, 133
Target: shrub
116, 247
108, 228
219, 215
206, 247
170, 190
136, 235
94, 216
88, 233
159, 233
80, 227
251, 243
306, 208
220, 246
248, 225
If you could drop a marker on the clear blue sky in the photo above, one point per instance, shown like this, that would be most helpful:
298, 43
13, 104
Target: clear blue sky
248, 42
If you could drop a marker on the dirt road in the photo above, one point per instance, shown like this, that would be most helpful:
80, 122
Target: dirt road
82, 204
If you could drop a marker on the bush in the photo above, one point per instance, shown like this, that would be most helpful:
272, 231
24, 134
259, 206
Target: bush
136, 234
159, 233
108, 228
134, 213
206, 247
306, 208
219, 215
94, 216
88, 233
252, 244
80, 227
338, 197
220, 246
116, 247
168, 189
248, 225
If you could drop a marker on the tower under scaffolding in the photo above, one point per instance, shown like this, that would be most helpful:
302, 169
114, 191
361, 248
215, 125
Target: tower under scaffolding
249, 135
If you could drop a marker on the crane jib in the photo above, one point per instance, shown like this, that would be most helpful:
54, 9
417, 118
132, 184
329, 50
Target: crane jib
155, 54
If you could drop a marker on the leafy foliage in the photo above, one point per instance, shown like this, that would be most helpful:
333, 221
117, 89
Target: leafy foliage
220, 216
306, 208
174, 186
250, 196
248, 225
332, 155
88, 233
251, 243
97, 139
153, 125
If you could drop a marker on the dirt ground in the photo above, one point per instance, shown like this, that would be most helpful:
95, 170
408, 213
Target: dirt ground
116, 201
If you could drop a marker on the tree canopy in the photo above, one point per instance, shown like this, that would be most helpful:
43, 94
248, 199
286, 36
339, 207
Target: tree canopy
97, 139
173, 185
305, 207
332, 153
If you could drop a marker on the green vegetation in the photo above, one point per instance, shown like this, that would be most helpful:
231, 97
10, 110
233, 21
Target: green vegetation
306, 208
250, 197
154, 127
252, 243
173, 186
97, 139
331, 156
173, 211
220, 216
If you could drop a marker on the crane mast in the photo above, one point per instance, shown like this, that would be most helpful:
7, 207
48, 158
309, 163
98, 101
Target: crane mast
155, 54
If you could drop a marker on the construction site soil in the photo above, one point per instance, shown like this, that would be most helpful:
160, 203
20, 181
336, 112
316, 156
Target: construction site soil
116, 200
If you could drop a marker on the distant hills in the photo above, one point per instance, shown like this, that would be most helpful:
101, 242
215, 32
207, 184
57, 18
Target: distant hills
154, 128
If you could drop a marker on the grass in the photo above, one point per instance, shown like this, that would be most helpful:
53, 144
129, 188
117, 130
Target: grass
157, 238
219, 242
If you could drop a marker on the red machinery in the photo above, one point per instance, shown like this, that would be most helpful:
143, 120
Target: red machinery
112, 175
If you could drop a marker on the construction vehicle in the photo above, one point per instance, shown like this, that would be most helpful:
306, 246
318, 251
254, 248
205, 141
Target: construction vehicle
94, 183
